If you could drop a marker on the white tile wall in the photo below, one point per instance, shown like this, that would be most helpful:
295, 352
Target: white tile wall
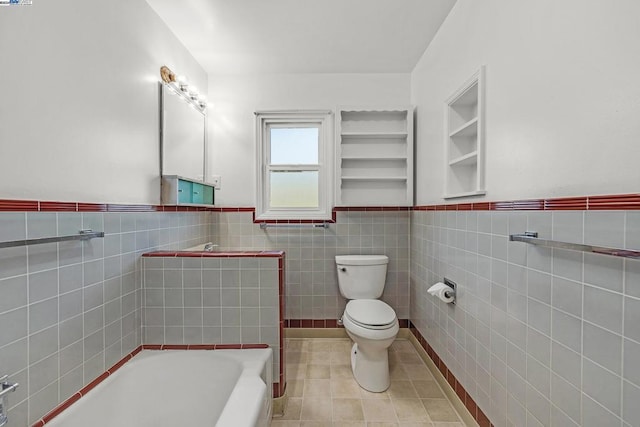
69, 311
312, 288
538, 336
212, 301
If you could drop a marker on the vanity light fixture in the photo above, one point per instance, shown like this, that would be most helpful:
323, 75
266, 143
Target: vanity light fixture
180, 85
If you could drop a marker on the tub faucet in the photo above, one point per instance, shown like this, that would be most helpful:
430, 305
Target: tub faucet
208, 247
5, 388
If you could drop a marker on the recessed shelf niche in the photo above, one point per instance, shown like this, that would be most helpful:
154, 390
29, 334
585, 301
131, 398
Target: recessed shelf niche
464, 139
374, 157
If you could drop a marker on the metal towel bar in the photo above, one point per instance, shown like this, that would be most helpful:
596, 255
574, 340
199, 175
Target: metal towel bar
265, 225
532, 237
82, 235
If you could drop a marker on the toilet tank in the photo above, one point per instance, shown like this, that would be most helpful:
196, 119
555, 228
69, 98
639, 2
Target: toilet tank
361, 276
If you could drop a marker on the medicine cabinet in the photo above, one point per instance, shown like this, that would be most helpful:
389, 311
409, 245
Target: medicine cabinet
464, 139
182, 149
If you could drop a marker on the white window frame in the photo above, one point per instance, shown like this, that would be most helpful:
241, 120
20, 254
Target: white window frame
323, 120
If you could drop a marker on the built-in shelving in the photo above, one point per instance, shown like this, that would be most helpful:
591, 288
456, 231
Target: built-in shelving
374, 157
464, 141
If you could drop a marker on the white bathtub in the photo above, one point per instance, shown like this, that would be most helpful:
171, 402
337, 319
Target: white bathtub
180, 388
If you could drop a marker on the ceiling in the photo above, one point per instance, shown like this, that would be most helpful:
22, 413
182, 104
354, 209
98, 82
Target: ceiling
304, 36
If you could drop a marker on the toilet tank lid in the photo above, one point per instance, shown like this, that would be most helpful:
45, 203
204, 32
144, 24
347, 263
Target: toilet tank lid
362, 259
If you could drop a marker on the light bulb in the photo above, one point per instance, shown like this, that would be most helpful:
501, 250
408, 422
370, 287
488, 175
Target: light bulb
182, 83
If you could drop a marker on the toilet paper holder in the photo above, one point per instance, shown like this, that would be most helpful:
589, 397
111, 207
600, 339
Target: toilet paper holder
452, 285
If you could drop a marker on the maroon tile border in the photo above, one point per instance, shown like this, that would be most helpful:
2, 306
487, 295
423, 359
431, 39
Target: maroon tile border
466, 399
607, 202
326, 323
204, 254
86, 389
600, 202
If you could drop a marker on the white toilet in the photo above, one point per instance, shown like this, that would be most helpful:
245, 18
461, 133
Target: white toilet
371, 323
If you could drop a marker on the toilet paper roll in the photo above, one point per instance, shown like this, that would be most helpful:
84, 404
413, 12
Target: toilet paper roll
442, 291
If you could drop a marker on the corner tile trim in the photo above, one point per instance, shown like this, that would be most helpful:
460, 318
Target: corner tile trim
86, 389
473, 408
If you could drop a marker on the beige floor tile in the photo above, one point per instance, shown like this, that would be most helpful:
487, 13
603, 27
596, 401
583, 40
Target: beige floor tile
347, 410
418, 372
440, 410
295, 344
402, 346
370, 395
296, 371
345, 387
349, 424
402, 390
340, 358
378, 410
316, 409
448, 425
321, 345
409, 410
381, 424
292, 410
342, 346
410, 358
276, 422
295, 388
319, 358
317, 388
297, 357
397, 372
316, 424
340, 371
416, 424
319, 372
428, 389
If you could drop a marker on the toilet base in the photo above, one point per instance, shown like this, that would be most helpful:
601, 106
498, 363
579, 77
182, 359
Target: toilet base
371, 368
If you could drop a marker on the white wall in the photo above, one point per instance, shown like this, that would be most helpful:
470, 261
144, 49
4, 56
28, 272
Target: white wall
231, 121
79, 103
562, 109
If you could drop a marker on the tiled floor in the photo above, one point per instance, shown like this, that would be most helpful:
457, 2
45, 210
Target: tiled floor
322, 391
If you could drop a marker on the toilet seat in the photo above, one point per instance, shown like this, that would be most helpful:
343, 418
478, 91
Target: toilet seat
371, 314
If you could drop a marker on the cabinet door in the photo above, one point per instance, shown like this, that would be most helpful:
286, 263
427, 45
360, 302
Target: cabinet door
207, 198
198, 193
185, 191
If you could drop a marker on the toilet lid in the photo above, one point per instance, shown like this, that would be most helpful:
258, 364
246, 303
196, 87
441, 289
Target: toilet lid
370, 313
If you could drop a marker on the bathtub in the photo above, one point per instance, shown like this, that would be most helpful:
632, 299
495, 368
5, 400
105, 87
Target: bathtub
180, 388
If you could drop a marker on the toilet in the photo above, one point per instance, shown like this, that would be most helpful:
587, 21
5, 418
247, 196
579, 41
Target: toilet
372, 324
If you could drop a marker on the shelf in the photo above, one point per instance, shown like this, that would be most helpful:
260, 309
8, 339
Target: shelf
466, 194
374, 157
466, 160
374, 178
464, 139
469, 128
374, 135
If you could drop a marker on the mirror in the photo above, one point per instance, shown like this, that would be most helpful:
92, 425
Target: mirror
182, 135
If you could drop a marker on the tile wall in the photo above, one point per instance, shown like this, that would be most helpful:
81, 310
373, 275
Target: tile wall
538, 337
212, 300
68, 311
312, 287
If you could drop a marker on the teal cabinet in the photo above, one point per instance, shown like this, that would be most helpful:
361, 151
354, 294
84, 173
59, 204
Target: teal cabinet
177, 190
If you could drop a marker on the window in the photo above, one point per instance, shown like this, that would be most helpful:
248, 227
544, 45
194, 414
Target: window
294, 165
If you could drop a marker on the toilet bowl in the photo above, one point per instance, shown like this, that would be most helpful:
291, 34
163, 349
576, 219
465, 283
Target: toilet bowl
370, 323
373, 326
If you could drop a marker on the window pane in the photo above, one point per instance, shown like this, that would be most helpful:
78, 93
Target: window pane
294, 189
291, 146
